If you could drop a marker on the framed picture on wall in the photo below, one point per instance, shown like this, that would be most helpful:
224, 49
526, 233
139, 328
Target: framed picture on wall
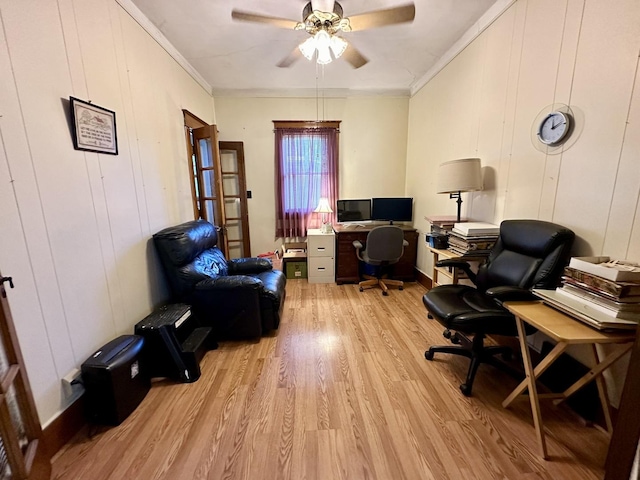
94, 128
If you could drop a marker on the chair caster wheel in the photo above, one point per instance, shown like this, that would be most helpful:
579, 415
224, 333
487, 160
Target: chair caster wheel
455, 340
361, 289
429, 316
400, 288
428, 355
465, 389
446, 334
384, 294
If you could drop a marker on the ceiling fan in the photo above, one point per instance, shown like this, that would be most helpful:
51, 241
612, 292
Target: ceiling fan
323, 20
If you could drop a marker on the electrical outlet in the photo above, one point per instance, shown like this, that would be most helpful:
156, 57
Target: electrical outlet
72, 382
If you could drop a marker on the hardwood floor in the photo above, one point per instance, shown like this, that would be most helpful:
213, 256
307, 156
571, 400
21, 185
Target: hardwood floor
341, 391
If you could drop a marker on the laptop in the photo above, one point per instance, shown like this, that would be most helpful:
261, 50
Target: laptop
583, 311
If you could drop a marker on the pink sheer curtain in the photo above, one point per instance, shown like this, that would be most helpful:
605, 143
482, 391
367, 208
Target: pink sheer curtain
306, 170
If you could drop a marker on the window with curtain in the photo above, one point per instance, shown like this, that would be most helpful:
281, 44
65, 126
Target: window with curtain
306, 157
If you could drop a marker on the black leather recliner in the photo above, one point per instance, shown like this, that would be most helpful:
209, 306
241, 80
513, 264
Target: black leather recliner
528, 254
239, 298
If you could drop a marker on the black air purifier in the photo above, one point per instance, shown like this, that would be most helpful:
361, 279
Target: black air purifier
114, 385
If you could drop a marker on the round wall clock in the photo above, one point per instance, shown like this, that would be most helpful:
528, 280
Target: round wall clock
554, 128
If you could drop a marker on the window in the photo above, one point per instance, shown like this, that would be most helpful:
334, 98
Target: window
306, 170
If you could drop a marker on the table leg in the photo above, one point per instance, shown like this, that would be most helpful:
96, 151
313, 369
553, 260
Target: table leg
531, 385
602, 393
539, 370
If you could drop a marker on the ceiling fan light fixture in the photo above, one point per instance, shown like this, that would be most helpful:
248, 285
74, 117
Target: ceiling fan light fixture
308, 48
324, 55
338, 45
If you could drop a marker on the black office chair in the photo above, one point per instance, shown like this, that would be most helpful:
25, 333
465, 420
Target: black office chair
528, 254
385, 246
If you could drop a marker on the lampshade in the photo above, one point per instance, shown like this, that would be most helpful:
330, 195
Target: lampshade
463, 175
323, 206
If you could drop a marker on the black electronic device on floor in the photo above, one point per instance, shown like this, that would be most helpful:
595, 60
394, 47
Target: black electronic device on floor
174, 343
114, 384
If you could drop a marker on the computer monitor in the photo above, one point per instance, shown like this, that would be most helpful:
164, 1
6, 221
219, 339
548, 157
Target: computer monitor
354, 210
399, 209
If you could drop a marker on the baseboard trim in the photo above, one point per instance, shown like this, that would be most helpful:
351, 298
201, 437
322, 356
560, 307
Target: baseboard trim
423, 280
63, 428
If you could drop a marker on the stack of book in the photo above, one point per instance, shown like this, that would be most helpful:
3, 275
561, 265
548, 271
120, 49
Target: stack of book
473, 238
600, 287
441, 223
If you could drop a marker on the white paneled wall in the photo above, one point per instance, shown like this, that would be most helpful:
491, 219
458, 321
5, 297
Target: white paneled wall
484, 103
583, 53
75, 226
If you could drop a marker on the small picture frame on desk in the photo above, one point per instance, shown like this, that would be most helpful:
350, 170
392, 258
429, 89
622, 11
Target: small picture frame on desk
93, 128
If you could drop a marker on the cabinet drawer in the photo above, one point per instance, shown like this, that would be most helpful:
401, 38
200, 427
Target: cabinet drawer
320, 245
320, 267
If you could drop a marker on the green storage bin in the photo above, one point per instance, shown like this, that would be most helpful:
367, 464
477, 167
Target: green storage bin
296, 269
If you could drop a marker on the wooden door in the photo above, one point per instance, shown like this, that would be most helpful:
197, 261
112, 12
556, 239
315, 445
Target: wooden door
234, 194
20, 431
208, 184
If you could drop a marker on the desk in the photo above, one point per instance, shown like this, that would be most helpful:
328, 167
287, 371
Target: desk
566, 331
348, 265
450, 272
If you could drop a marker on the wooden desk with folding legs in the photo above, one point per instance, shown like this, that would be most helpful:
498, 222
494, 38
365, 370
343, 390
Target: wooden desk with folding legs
566, 331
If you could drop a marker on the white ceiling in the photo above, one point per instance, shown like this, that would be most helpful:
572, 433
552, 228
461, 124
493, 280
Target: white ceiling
239, 58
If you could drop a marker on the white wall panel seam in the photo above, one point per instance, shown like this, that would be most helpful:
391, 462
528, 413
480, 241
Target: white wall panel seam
621, 152
35, 177
129, 140
573, 75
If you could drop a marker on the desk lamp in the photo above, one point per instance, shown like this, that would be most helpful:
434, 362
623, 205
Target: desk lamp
324, 208
458, 176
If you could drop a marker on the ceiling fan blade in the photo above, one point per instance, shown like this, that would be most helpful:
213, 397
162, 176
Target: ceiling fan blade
354, 57
380, 18
254, 17
287, 61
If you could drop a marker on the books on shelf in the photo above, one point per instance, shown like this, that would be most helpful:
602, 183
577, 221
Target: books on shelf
476, 245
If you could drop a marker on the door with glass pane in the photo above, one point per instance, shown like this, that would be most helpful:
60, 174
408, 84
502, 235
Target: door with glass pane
21, 454
208, 180
234, 193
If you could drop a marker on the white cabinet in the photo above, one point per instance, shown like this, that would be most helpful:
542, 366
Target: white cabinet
320, 256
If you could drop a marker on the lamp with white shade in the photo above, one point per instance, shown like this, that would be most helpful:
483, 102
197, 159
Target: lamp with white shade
458, 176
324, 208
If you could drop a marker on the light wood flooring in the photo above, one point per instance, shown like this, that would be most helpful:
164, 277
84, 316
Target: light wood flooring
341, 391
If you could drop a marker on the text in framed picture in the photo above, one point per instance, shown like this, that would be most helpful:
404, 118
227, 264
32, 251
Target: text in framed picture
94, 128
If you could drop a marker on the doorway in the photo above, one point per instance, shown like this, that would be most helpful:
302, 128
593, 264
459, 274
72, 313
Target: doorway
218, 185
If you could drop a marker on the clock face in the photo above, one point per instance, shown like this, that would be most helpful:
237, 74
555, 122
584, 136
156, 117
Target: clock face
554, 128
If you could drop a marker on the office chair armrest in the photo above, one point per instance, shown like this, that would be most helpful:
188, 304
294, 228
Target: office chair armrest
358, 245
510, 294
461, 264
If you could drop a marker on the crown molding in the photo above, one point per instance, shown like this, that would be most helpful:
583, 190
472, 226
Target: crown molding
310, 93
140, 18
469, 36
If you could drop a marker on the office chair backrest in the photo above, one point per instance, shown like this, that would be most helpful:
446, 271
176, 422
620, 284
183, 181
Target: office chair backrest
528, 254
385, 244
